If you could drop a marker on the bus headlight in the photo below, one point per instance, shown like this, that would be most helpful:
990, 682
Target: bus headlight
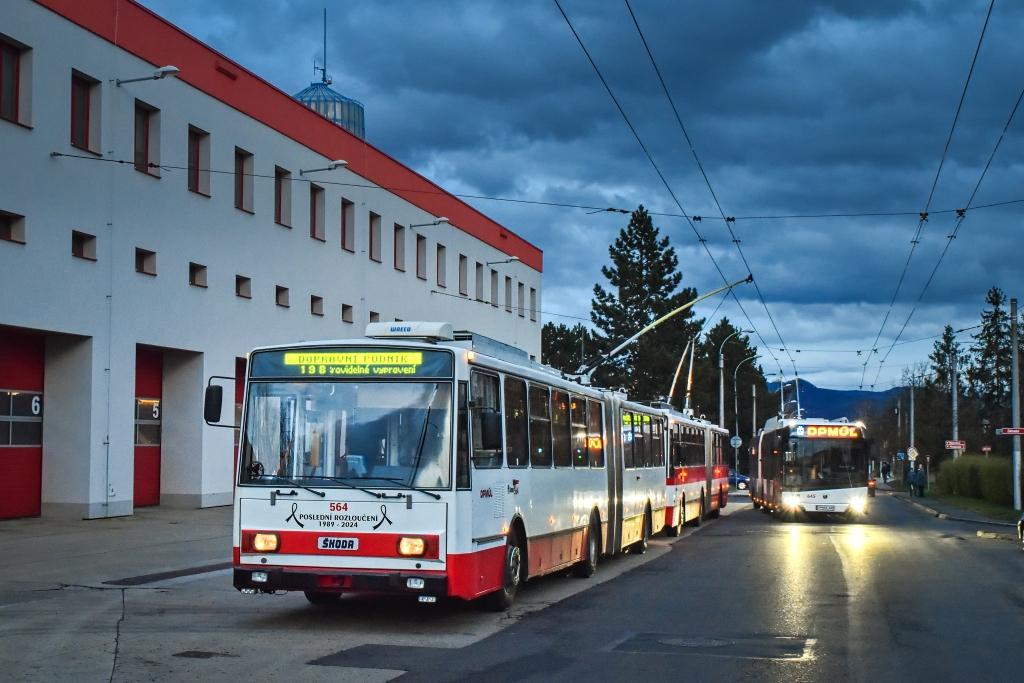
412, 545
265, 543
790, 501
858, 505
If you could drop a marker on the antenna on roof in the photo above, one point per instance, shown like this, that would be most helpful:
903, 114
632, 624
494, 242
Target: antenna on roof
324, 78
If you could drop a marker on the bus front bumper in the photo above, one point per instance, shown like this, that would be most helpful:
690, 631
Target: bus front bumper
270, 579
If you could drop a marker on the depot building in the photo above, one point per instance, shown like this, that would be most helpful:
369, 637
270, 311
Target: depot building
153, 231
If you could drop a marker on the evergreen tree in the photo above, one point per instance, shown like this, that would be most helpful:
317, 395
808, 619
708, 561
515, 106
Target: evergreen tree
644, 282
944, 351
989, 374
566, 348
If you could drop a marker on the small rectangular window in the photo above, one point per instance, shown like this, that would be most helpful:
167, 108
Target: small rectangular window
578, 420
421, 257
147, 421
13, 83
85, 112
479, 281
243, 180
374, 237
83, 245
198, 161
147, 139
486, 397
628, 436
197, 274
348, 225
462, 478
12, 227
374, 317
522, 300
442, 266
316, 304
540, 426
282, 197
657, 444
399, 247
346, 313
508, 294
463, 275
281, 296
595, 433
243, 287
317, 229
533, 304
561, 434
494, 287
517, 435
145, 261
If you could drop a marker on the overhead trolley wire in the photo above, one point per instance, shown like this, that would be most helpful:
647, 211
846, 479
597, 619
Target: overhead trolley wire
956, 228
707, 181
923, 216
700, 238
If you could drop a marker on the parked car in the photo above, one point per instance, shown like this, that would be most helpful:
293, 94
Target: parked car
740, 482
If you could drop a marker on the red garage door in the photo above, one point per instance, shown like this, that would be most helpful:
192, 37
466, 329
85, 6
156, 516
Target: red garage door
149, 373
21, 423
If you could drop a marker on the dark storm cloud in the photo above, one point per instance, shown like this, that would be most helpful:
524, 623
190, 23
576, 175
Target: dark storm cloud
795, 107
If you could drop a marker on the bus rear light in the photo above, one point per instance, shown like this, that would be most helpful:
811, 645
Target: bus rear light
265, 543
332, 581
412, 546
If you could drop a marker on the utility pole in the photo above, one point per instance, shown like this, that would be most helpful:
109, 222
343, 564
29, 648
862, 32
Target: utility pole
912, 414
954, 390
1015, 401
899, 422
796, 383
753, 425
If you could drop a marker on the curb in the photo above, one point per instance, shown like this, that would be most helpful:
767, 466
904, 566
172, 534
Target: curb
997, 536
942, 515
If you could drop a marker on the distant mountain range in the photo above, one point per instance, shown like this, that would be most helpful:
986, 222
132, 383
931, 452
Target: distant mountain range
834, 403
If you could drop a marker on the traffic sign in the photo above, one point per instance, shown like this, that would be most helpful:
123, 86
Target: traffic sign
1010, 431
912, 453
735, 442
956, 445
986, 449
901, 456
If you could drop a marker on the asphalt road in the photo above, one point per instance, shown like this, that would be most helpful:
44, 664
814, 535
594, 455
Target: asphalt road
901, 597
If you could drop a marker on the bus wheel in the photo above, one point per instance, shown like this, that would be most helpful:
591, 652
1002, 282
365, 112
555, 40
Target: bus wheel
322, 597
678, 528
640, 547
717, 512
586, 567
512, 575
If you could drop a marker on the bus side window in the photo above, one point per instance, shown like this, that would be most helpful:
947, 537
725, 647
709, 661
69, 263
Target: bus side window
595, 433
462, 441
657, 447
561, 430
486, 418
517, 436
578, 422
628, 458
540, 426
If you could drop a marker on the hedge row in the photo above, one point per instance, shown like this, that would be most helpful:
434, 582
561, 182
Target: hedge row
974, 476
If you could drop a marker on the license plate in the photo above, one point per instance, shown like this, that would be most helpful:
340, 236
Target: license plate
825, 508
336, 543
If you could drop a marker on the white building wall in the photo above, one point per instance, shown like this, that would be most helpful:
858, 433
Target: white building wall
45, 288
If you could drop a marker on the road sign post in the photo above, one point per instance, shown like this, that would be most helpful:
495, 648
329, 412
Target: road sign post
957, 445
1010, 431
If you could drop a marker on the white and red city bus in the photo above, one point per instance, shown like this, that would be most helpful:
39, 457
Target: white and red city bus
427, 462
697, 477
811, 466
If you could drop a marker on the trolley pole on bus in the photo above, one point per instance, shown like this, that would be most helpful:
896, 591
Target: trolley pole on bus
721, 376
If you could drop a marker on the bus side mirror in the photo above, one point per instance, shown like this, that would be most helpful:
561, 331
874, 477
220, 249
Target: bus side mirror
490, 430
212, 403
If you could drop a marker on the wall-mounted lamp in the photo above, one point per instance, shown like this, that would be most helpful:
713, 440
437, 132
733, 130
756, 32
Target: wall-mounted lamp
337, 163
439, 221
513, 259
159, 74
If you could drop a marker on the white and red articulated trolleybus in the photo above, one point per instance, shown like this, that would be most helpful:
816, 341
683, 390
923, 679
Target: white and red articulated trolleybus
424, 461
697, 476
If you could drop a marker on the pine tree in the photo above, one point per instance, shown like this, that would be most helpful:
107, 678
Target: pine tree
944, 351
644, 284
566, 348
989, 374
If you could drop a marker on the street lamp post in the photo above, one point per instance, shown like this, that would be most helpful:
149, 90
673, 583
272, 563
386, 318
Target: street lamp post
721, 376
736, 413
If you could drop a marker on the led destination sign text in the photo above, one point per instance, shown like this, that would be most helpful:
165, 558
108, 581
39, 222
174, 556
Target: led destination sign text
828, 432
343, 363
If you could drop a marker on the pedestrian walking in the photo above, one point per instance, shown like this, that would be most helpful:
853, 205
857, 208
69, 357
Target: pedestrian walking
908, 478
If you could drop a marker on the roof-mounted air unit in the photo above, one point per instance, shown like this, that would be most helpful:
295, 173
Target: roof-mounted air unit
411, 330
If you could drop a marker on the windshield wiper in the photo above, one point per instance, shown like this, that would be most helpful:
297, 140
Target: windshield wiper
292, 482
343, 482
405, 484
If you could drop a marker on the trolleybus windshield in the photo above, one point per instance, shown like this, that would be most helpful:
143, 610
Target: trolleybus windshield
309, 431
814, 464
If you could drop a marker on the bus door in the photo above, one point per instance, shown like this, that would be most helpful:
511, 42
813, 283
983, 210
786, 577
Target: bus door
490, 484
613, 451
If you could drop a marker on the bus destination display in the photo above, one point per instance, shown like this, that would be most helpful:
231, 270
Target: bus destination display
348, 363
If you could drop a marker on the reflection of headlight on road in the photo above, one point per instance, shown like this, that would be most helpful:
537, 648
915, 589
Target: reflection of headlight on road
858, 505
790, 501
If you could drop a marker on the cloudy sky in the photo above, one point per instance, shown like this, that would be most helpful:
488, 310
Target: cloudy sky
794, 108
